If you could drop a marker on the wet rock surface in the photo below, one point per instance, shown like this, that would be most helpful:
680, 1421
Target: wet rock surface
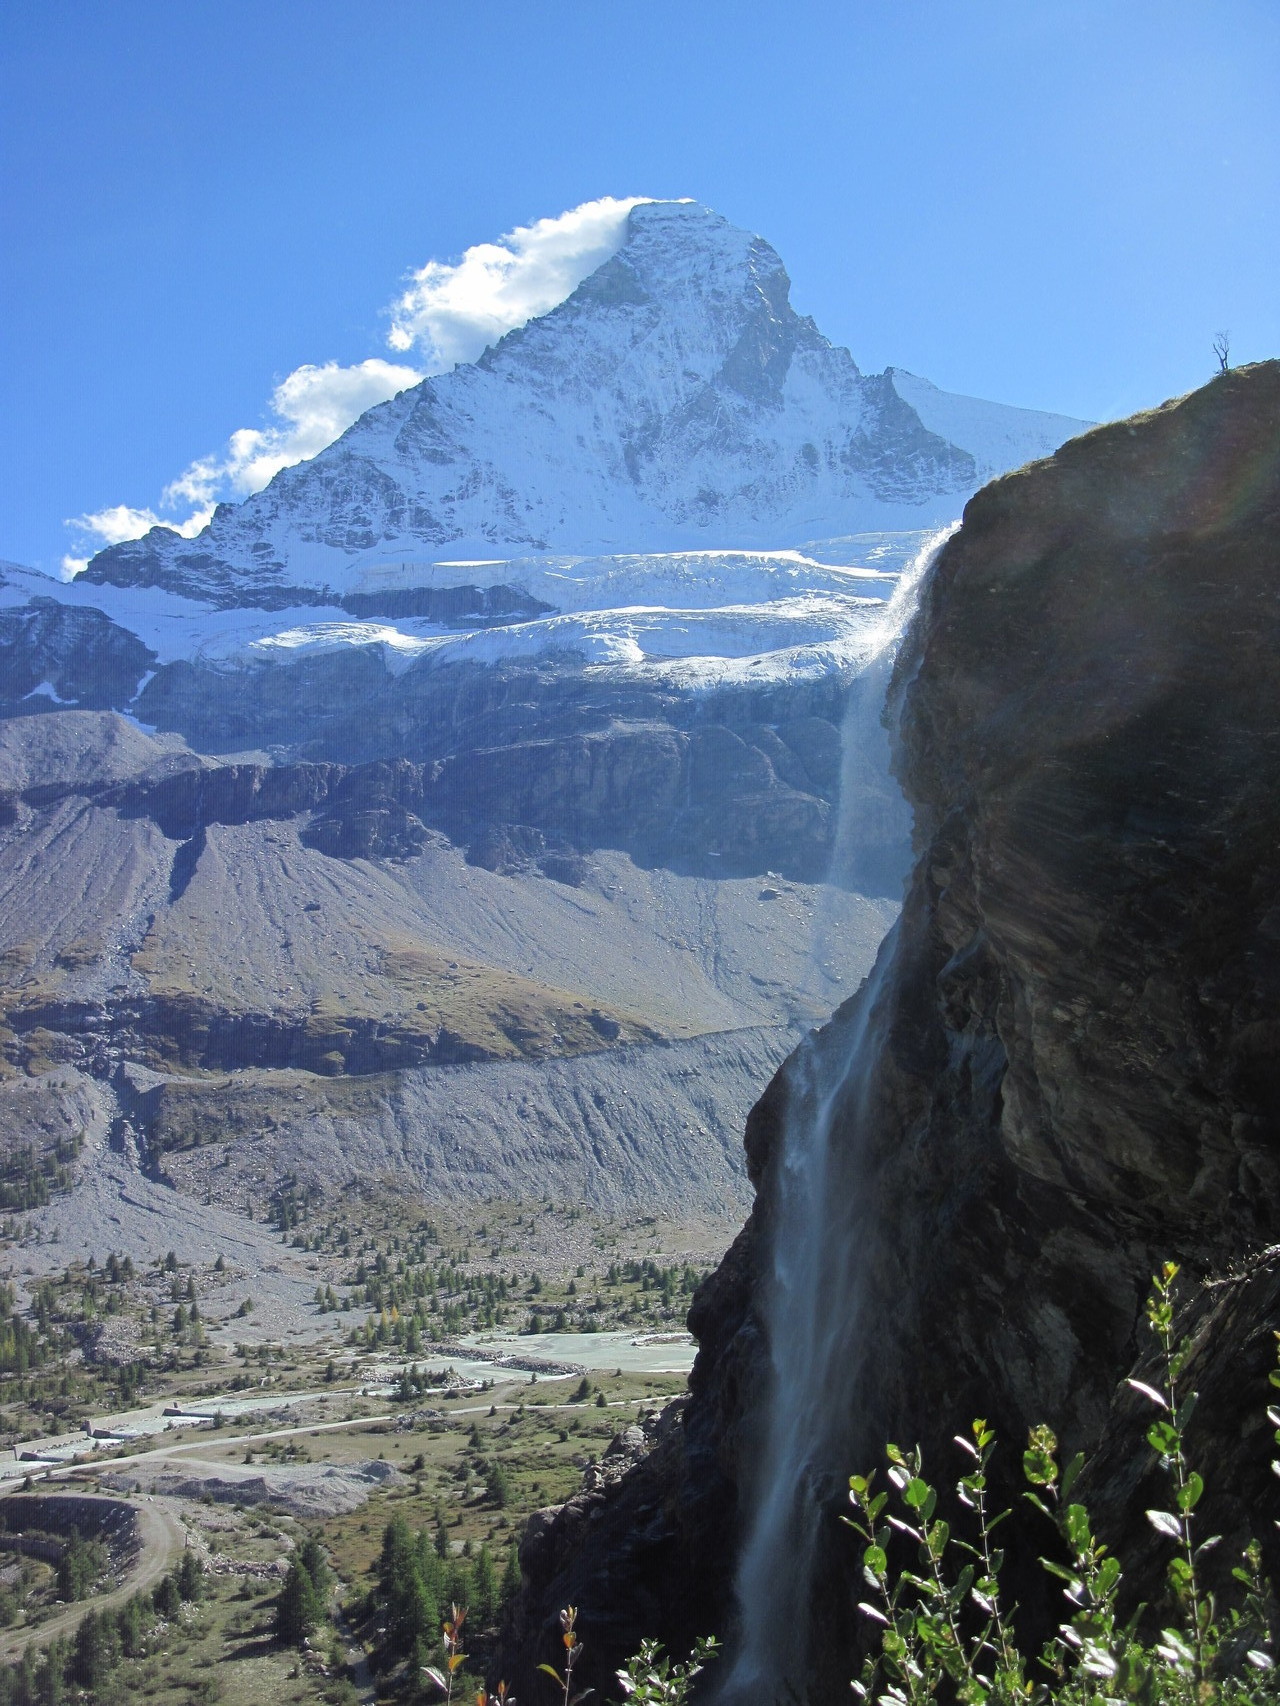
1079, 1030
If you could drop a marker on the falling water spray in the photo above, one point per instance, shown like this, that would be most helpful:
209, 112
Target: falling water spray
814, 1288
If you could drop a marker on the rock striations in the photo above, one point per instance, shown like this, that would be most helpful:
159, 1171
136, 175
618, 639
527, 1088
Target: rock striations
1070, 1070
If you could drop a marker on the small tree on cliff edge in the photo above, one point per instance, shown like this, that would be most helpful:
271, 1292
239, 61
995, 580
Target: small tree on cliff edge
1222, 349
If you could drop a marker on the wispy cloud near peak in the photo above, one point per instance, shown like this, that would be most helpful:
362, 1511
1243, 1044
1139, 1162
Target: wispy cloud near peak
452, 309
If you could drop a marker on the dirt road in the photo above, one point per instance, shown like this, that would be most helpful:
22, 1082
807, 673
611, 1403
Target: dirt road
163, 1538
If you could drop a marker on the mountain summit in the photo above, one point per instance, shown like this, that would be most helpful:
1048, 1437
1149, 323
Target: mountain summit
674, 400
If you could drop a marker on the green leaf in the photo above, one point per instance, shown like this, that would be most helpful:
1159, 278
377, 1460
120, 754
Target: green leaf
1162, 1436
1164, 1522
1149, 1392
1038, 1469
1174, 1649
916, 1493
552, 1672
1077, 1521
875, 1562
1189, 1496
1071, 1472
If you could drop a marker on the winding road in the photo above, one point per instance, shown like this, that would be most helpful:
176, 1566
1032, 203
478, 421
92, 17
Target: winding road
162, 1540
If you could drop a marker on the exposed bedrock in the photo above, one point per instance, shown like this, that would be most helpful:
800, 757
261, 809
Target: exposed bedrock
53, 654
1073, 1071
524, 767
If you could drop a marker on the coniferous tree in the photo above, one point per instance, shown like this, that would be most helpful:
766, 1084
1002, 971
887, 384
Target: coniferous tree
130, 1626
189, 1577
511, 1576
166, 1599
298, 1607
484, 1588
96, 1649
311, 1554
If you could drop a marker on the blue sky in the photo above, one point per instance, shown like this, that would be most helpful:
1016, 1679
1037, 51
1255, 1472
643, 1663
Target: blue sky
1053, 204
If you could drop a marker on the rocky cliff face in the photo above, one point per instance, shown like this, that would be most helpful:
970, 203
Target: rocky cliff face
54, 655
1065, 1069
528, 768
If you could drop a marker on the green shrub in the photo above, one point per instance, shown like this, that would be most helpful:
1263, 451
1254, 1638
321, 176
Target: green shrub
652, 1680
946, 1629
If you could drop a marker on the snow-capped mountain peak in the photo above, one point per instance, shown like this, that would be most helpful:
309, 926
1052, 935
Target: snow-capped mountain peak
674, 401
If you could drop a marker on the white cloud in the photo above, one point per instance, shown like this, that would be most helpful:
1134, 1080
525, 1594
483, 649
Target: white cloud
451, 310
447, 314
313, 406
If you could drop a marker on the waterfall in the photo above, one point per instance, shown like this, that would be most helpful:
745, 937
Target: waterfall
812, 1302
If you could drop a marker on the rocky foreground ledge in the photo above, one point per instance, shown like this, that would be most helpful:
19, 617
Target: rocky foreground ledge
1080, 1023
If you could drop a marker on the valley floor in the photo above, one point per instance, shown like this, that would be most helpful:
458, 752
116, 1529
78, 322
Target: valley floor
397, 1360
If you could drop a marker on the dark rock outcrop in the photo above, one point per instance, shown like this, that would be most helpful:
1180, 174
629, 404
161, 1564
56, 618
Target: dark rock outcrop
453, 606
523, 771
79, 657
1077, 1026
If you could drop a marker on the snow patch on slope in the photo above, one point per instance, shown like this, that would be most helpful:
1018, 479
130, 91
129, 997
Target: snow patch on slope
692, 619
785, 639
998, 436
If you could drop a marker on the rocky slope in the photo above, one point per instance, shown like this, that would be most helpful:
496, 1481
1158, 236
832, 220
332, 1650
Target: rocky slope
1062, 1072
285, 963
